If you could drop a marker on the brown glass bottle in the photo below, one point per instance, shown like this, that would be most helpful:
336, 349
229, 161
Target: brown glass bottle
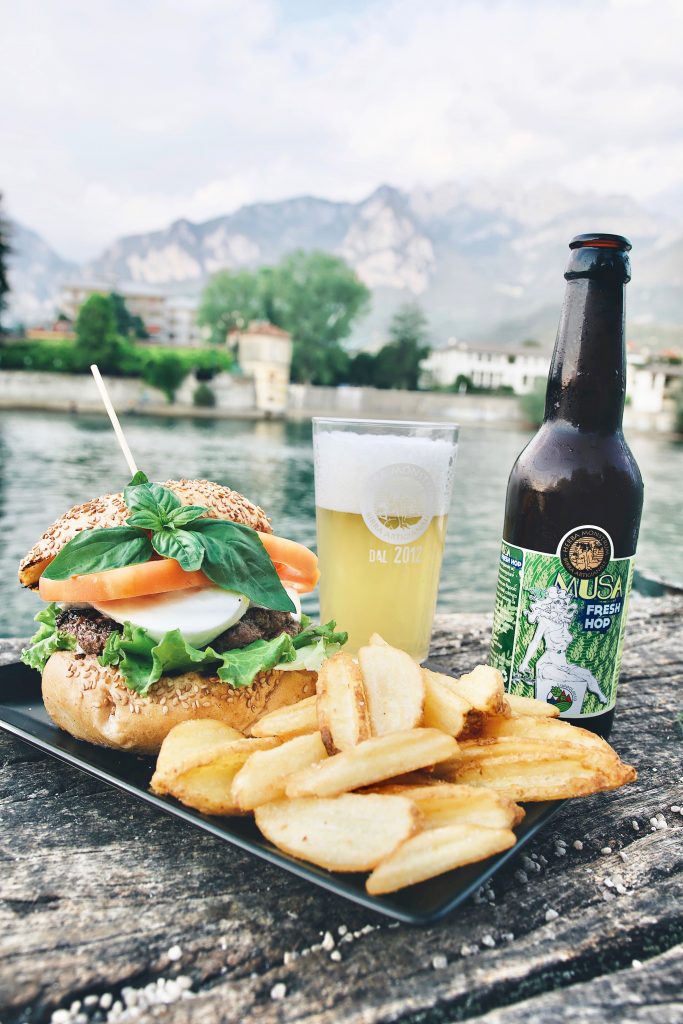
574, 493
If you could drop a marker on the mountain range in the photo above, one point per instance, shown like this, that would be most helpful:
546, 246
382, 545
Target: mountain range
485, 262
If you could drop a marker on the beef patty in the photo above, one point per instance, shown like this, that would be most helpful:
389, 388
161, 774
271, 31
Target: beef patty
92, 629
256, 624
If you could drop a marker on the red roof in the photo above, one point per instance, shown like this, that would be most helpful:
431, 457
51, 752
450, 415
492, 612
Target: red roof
260, 327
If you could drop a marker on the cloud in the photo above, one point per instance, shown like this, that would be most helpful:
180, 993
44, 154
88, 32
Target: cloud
126, 115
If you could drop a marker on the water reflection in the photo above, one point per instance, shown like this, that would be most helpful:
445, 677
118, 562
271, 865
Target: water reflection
48, 463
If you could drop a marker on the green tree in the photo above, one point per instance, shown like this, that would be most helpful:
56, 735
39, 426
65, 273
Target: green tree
397, 364
317, 298
462, 384
533, 404
96, 336
313, 295
5, 250
128, 325
166, 372
232, 298
362, 370
678, 409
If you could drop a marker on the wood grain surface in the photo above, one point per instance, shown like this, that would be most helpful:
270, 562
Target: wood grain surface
97, 890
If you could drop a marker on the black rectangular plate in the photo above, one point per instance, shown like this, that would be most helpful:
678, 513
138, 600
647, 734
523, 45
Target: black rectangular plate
22, 713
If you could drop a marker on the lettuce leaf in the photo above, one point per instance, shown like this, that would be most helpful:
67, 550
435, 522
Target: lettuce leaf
240, 667
142, 661
46, 640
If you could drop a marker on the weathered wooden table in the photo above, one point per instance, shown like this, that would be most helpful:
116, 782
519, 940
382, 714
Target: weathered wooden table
102, 897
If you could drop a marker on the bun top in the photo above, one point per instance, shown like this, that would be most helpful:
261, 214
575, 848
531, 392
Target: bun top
111, 510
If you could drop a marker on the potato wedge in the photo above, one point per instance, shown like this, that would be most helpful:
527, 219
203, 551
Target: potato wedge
374, 760
529, 770
394, 686
262, 778
208, 788
446, 803
431, 853
342, 704
530, 706
349, 833
185, 744
443, 708
482, 688
293, 720
198, 761
546, 730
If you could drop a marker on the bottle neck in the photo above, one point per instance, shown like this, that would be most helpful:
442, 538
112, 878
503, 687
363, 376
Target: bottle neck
587, 380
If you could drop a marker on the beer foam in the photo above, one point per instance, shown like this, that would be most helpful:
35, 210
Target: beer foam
345, 464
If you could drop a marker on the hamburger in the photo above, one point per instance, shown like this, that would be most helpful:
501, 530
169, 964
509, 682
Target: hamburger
168, 602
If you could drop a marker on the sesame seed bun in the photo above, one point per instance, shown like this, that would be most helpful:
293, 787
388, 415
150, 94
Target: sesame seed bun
93, 703
110, 510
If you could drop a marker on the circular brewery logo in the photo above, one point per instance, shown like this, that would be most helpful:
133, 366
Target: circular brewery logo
585, 552
399, 502
561, 697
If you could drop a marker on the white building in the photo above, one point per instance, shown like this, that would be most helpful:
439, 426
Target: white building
180, 325
169, 319
651, 384
519, 368
265, 353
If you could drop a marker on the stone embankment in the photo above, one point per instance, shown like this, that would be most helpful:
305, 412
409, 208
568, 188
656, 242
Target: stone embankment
236, 399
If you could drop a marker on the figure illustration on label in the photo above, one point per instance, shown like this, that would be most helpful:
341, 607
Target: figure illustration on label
558, 681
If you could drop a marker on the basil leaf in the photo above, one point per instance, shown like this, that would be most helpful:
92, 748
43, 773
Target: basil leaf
186, 514
236, 559
98, 550
185, 547
139, 478
145, 520
151, 498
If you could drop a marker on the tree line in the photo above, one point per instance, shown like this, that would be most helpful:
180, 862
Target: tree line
318, 299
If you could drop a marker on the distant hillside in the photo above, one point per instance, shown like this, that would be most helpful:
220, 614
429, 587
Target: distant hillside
485, 263
36, 274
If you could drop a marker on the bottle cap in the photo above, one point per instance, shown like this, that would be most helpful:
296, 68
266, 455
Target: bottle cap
600, 240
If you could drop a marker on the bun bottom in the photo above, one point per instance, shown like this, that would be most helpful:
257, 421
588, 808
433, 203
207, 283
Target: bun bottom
93, 703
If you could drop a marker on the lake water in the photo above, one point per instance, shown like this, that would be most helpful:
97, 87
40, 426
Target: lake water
49, 462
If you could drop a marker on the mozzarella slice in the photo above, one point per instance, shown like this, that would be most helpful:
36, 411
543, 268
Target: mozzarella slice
201, 614
297, 603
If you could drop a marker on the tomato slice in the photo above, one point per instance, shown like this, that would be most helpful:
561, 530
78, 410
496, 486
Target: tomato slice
156, 577
296, 566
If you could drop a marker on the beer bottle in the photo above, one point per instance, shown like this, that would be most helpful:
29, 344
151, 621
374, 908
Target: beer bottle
573, 508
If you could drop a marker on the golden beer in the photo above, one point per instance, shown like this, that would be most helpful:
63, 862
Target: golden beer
370, 586
382, 497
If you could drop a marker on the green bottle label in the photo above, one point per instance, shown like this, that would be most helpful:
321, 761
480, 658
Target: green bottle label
559, 621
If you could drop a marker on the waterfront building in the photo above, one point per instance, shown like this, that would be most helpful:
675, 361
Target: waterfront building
180, 325
264, 352
651, 381
169, 319
461, 366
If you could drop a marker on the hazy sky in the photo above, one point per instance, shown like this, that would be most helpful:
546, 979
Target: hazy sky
121, 115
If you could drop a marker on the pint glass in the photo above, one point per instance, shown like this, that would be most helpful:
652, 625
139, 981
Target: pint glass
382, 494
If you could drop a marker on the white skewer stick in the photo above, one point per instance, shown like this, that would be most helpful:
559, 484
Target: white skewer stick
120, 437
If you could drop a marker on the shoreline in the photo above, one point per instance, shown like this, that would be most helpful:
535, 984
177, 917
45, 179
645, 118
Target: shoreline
293, 415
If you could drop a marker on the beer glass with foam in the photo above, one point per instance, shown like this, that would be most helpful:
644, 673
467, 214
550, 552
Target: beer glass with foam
382, 493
